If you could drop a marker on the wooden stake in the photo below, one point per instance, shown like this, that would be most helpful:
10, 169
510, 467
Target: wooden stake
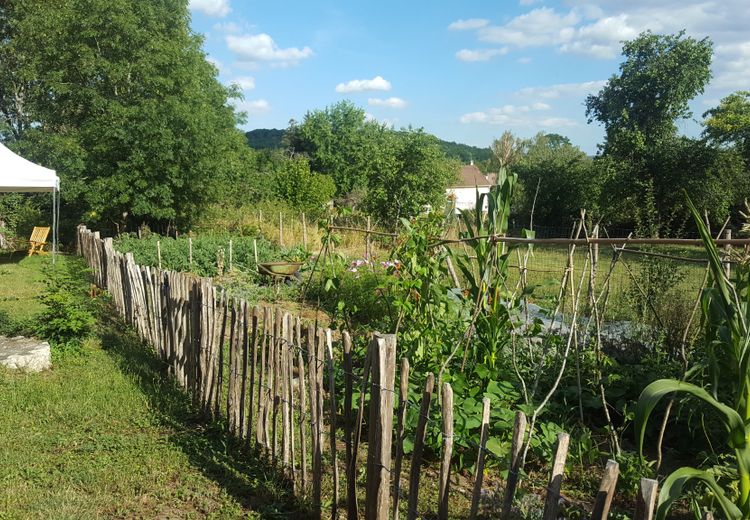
646, 499
303, 415
402, 403
190, 252
304, 231
317, 474
416, 454
351, 477
556, 477
479, 471
445, 464
727, 253
255, 252
286, 423
368, 250
158, 252
519, 431
332, 420
383, 356
253, 368
606, 491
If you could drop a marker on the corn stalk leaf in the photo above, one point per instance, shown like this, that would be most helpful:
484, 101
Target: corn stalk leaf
673, 486
653, 393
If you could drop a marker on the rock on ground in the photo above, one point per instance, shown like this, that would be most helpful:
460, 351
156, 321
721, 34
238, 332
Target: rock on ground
27, 354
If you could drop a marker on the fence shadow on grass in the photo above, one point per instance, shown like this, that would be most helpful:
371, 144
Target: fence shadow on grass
242, 473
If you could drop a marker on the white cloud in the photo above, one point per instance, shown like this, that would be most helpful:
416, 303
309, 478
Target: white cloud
467, 25
562, 90
733, 69
556, 122
480, 54
391, 102
218, 8
361, 85
245, 82
597, 29
255, 48
253, 107
227, 28
542, 26
508, 115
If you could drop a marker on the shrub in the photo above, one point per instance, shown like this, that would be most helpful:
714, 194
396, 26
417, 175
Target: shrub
68, 315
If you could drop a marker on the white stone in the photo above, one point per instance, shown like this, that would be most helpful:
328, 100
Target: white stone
26, 354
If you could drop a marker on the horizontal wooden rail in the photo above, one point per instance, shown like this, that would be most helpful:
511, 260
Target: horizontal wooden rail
568, 241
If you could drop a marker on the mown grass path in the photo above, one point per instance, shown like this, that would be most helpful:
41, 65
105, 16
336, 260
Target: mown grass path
105, 435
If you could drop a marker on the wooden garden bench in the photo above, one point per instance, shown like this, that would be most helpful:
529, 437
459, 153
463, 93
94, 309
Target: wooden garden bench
38, 240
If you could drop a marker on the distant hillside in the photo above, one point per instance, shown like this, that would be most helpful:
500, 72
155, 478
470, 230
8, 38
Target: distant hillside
271, 138
264, 138
464, 152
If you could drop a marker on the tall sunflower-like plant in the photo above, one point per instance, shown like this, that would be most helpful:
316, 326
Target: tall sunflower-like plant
725, 306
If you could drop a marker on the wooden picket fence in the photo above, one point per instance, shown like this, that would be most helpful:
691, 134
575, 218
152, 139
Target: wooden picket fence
271, 377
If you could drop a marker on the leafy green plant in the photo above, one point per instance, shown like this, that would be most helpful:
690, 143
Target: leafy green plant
725, 389
68, 315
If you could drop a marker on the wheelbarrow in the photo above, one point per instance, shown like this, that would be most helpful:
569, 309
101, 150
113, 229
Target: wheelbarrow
280, 271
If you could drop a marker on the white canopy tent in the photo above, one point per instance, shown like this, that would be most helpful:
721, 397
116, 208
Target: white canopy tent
20, 175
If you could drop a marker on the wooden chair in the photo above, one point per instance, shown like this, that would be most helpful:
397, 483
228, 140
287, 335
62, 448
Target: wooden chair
38, 240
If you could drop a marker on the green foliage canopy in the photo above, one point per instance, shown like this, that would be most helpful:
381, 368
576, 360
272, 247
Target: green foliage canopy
729, 123
118, 97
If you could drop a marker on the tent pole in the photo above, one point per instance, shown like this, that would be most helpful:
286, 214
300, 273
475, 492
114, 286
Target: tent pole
54, 225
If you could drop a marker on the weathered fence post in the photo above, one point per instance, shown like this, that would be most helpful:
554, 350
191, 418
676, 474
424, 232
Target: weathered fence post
351, 483
606, 491
315, 429
255, 252
644, 506
445, 464
403, 401
158, 252
556, 477
332, 420
519, 431
368, 250
383, 359
479, 471
304, 231
728, 254
416, 454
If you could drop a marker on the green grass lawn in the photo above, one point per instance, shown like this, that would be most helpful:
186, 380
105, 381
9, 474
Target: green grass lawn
21, 281
104, 434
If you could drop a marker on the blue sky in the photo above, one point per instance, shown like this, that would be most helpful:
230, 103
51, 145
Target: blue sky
465, 71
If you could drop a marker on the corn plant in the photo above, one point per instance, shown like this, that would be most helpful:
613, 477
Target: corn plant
726, 388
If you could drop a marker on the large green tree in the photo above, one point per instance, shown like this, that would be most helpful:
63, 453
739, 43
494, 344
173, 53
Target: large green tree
659, 76
414, 173
117, 96
564, 176
341, 142
639, 108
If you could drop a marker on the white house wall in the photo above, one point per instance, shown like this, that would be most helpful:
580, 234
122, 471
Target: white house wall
466, 198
